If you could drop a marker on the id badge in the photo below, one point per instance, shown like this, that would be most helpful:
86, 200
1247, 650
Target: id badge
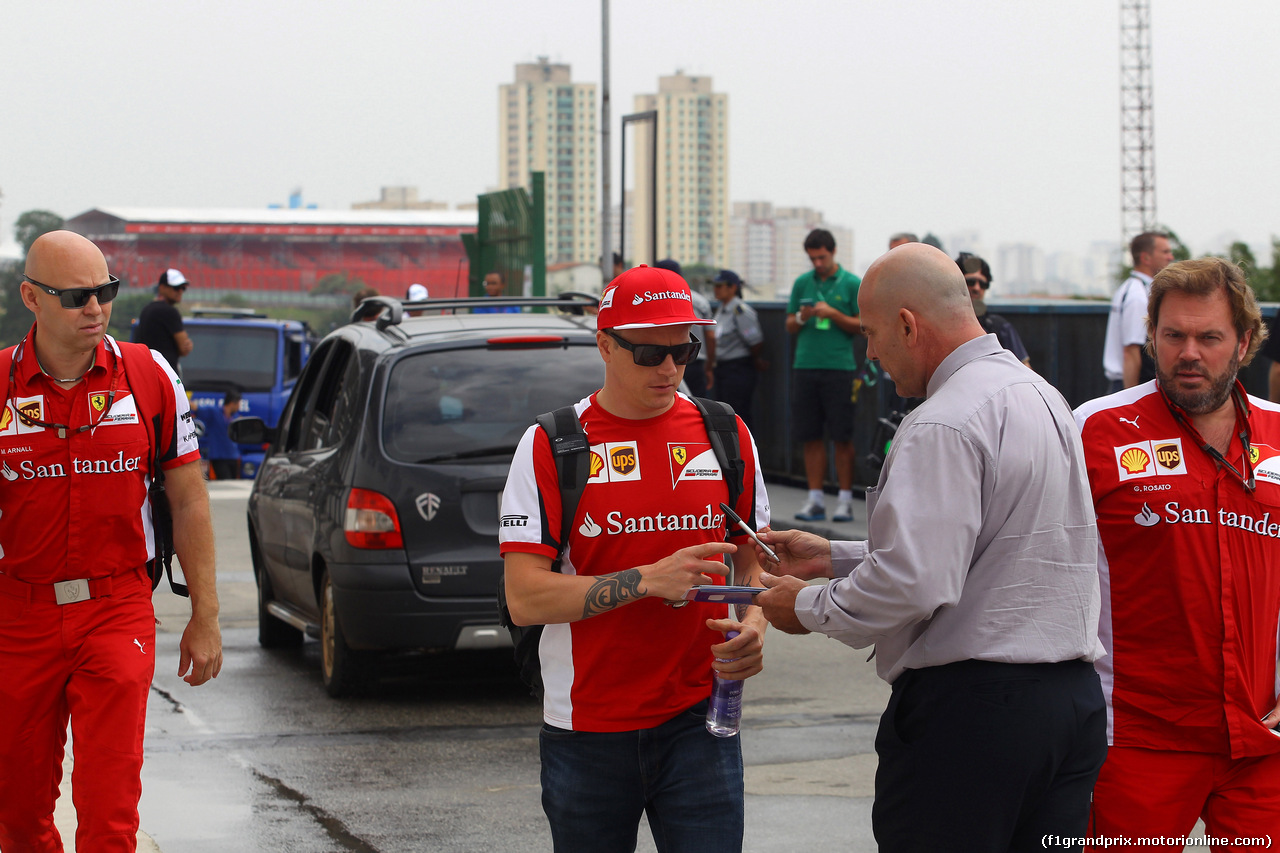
823, 323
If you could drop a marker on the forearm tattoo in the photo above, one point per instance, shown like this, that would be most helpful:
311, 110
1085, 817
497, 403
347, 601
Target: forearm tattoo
611, 591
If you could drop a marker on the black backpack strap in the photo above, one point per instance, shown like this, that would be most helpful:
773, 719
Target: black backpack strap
722, 430
137, 360
570, 449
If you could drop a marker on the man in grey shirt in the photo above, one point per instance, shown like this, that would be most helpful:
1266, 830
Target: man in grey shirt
977, 585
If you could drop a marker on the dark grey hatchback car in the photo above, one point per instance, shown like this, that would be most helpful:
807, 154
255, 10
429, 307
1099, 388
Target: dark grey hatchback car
373, 520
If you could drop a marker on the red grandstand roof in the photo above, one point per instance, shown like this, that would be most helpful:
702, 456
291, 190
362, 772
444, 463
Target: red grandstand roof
283, 222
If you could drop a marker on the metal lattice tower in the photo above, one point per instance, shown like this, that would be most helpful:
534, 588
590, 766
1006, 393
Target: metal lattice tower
1137, 132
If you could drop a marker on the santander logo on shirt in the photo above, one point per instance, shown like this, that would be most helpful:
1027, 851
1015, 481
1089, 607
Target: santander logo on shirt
616, 523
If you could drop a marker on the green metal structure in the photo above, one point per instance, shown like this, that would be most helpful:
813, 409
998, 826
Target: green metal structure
510, 236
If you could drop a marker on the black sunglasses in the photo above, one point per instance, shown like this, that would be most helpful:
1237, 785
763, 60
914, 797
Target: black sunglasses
972, 281
652, 355
78, 297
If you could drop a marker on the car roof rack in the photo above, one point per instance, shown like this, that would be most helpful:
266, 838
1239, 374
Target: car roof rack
229, 313
390, 311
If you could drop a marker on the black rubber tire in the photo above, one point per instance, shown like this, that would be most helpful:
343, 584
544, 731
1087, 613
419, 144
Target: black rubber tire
342, 669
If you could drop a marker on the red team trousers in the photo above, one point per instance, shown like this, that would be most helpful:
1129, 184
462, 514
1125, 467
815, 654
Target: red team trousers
1147, 793
90, 661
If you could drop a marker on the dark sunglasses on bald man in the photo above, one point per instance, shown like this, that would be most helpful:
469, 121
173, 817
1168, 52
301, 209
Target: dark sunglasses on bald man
78, 297
652, 355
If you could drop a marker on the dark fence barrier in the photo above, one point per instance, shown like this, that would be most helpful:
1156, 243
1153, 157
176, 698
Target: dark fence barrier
1064, 340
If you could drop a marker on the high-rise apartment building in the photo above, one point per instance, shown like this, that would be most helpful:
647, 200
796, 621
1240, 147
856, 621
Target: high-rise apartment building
692, 200
767, 245
547, 123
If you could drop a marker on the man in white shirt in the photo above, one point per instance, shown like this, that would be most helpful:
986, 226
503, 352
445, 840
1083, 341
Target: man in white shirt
1122, 358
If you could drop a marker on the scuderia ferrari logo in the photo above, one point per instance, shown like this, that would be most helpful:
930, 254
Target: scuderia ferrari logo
98, 401
693, 462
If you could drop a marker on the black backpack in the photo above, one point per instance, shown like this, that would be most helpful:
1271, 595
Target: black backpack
571, 450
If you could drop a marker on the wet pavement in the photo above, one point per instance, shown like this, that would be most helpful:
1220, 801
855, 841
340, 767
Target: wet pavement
442, 754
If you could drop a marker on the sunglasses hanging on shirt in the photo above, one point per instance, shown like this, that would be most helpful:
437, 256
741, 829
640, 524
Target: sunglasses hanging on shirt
62, 429
1246, 477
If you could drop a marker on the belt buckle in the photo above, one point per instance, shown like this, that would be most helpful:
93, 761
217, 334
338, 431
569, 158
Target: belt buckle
69, 592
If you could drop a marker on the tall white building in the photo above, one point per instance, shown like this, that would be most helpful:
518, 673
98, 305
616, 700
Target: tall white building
767, 245
692, 201
547, 123
1021, 269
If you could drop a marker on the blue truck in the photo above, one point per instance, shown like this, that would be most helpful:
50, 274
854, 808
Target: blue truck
251, 353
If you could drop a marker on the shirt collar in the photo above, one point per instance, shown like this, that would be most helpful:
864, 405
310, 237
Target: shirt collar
29, 367
980, 347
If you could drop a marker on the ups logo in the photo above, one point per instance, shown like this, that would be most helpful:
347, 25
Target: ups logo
30, 411
623, 460
1168, 456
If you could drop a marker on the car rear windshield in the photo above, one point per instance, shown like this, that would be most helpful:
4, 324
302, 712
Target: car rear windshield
476, 403
227, 355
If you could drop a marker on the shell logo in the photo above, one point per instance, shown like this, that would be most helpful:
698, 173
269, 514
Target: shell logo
1135, 460
596, 464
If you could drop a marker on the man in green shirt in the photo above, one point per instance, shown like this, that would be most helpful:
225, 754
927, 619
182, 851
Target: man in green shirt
823, 315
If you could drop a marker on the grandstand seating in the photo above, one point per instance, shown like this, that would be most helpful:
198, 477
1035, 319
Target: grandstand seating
292, 265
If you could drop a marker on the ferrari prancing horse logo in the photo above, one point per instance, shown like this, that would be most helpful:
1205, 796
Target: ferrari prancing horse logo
98, 401
679, 454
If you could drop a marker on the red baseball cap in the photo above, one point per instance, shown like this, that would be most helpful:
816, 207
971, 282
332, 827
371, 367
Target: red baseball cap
644, 297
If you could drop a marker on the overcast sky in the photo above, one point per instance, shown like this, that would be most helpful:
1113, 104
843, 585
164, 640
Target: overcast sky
932, 115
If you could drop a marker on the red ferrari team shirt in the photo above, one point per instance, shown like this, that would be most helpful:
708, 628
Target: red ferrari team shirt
1189, 561
76, 506
655, 487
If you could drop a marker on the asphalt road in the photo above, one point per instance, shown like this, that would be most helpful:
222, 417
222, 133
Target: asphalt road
442, 754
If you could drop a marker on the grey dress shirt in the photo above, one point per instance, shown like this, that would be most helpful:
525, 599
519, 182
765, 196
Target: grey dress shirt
982, 543
737, 329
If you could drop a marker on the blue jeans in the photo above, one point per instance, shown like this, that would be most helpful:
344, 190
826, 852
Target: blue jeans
596, 785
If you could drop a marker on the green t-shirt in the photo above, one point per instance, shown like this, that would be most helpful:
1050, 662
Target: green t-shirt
828, 348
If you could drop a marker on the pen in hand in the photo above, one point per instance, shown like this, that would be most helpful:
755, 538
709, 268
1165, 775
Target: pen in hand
733, 516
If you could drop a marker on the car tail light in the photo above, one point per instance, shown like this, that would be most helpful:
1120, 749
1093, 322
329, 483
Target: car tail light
526, 341
371, 521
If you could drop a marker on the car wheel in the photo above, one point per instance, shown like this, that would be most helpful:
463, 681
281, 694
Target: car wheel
272, 633
341, 667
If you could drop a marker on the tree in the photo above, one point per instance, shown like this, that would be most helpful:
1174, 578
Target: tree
17, 319
337, 282
32, 224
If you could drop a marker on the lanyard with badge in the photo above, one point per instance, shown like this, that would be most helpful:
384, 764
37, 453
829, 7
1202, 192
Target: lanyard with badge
823, 323
1241, 406
62, 429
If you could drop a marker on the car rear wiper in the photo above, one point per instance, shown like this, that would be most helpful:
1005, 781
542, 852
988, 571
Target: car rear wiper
498, 450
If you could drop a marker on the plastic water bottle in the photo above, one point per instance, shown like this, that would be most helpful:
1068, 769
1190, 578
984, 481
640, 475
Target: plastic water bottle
724, 712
